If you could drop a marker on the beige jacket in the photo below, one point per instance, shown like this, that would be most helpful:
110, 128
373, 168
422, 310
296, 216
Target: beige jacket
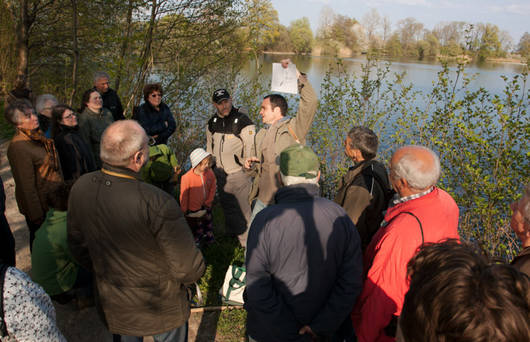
271, 141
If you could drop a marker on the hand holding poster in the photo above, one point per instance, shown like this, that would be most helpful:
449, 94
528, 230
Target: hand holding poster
284, 80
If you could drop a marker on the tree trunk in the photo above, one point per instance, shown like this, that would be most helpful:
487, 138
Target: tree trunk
75, 50
23, 26
147, 58
124, 45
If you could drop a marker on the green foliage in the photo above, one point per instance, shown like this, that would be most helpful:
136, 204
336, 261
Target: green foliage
301, 35
524, 46
481, 138
261, 25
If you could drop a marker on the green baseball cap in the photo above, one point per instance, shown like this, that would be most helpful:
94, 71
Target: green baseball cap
299, 161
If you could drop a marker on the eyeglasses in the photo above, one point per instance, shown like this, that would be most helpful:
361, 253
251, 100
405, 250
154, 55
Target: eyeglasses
156, 95
70, 116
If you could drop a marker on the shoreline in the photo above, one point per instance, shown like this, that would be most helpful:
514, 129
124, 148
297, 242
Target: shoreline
513, 61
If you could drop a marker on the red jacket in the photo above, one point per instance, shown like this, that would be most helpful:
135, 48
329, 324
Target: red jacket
388, 253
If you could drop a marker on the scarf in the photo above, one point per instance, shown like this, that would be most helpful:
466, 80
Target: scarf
37, 136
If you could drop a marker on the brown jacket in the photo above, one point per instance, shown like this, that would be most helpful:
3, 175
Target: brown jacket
271, 141
364, 194
35, 174
134, 238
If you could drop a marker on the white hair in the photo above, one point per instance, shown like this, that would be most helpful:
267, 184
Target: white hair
293, 180
120, 141
418, 175
41, 101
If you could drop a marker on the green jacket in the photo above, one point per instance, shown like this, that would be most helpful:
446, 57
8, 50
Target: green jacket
271, 141
52, 266
91, 126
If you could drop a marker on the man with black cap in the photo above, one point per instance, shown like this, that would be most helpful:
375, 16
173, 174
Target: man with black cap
230, 139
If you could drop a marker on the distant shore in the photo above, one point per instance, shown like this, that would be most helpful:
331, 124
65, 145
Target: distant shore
507, 60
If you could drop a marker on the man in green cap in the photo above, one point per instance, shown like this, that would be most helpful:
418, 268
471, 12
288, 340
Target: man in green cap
304, 262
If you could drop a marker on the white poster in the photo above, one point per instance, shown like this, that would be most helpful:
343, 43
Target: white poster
284, 80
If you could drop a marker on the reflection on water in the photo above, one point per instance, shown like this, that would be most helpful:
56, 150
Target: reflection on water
420, 73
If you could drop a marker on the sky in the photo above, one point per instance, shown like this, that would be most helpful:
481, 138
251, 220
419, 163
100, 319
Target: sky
510, 15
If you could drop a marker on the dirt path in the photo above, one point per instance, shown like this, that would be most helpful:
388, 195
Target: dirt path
77, 325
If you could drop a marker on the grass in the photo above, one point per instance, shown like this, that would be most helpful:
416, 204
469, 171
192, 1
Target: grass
223, 252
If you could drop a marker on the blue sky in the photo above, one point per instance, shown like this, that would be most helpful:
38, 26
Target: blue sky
510, 15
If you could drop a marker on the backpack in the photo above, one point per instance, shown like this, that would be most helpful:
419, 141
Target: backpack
161, 166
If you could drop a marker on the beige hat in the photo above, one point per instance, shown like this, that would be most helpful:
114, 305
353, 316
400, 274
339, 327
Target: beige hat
197, 156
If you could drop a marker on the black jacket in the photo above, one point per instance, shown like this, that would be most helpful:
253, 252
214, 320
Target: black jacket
135, 239
76, 157
304, 267
112, 102
155, 122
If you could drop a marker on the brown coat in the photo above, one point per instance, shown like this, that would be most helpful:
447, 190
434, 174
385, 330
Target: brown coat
271, 141
134, 238
363, 193
35, 174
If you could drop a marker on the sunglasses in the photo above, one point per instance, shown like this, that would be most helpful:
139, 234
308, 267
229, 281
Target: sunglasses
156, 95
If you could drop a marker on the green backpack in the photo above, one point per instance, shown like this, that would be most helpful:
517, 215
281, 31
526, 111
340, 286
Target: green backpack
161, 165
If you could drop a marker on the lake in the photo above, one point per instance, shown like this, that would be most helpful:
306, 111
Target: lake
420, 73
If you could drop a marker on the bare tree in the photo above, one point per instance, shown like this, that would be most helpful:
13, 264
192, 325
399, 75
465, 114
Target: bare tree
387, 28
372, 22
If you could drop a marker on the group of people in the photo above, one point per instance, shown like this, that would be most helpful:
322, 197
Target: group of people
382, 261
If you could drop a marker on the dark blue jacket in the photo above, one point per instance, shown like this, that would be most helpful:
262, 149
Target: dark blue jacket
155, 122
304, 267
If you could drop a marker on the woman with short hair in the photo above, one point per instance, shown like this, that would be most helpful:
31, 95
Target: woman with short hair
76, 157
34, 163
154, 115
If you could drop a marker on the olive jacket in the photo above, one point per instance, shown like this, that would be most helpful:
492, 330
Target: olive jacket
134, 238
91, 127
271, 141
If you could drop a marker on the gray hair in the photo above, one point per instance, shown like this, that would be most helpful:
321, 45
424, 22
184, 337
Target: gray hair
120, 141
100, 74
293, 180
15, 110
414, 171
365, 140
43, 99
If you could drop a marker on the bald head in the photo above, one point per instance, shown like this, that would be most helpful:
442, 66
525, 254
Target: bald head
419, 166
121, 141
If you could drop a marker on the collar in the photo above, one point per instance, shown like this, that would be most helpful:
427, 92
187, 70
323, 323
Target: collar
118, 171
296, 193
411, 197
285, 118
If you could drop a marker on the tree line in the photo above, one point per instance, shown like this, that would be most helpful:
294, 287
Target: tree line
339, 34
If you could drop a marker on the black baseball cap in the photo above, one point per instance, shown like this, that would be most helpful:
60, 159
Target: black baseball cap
220, 95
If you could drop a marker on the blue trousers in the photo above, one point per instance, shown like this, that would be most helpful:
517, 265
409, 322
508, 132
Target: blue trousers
179, 334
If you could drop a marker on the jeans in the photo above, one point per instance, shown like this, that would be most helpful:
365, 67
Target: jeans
258, 206
179, 334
